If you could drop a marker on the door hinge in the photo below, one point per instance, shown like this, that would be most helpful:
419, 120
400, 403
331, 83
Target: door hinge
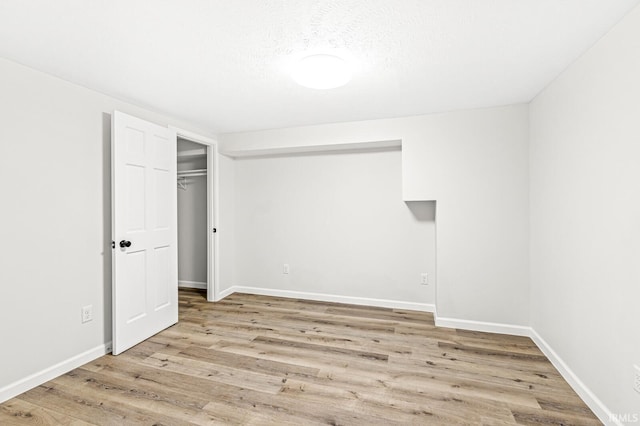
215, 230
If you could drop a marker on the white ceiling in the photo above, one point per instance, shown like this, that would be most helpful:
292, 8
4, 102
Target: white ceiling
221, 64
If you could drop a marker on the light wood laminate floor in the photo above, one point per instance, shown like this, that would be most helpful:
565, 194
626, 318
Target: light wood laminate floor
263, 360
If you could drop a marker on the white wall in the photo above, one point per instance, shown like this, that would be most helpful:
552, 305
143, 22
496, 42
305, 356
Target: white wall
475, 164
585, 211
192, 225
55, 255
339, 221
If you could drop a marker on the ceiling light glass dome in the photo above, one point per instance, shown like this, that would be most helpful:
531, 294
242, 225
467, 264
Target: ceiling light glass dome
322, 72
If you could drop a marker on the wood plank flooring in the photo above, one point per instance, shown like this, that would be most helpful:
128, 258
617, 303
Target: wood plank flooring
263, 360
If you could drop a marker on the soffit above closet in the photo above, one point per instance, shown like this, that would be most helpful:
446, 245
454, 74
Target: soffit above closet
222, 64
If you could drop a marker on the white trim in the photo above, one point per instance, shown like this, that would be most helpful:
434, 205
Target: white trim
593, 402
16, 388
213, 191
590, 399
213, 182
194, 137
224, 293
382, 303
192, 284
487, 327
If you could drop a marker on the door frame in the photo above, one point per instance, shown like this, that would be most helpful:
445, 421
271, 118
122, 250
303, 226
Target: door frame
213, 173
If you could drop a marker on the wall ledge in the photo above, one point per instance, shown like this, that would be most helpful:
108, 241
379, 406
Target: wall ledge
314, 149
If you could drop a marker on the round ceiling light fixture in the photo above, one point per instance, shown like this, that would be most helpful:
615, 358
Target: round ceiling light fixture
322, 72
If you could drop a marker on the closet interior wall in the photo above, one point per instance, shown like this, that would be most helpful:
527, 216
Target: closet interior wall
192, 214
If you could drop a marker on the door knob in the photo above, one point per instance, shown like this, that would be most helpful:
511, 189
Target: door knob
125, 243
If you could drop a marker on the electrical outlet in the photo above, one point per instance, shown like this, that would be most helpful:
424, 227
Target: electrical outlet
424, 278
87, 313
285, 268
636, 380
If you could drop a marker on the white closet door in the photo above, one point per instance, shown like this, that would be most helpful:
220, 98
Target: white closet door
144, 226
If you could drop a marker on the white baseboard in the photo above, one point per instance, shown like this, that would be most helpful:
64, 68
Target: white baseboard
487, 327
224, 293
589, 398
593, 402
192, 284
321, 297
16, 388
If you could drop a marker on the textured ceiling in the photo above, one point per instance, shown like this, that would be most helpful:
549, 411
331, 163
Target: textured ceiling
222, 64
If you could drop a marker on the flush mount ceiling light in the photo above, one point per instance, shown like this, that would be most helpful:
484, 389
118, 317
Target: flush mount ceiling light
322, 72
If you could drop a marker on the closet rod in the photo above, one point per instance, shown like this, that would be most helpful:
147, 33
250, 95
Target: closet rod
190, 173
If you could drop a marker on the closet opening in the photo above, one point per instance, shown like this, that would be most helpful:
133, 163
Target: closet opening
196, 225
